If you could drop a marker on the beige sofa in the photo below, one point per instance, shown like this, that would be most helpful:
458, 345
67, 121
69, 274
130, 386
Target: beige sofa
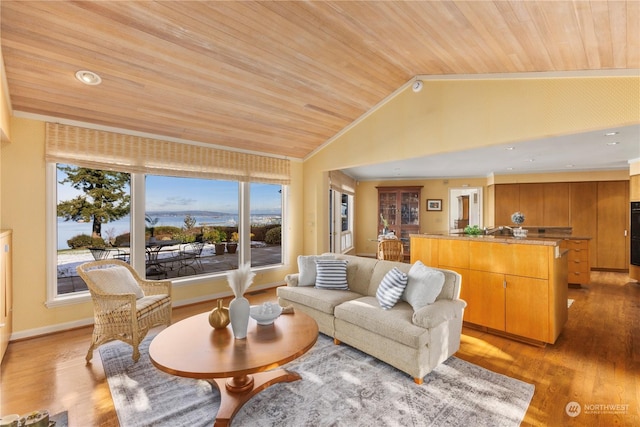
412, 341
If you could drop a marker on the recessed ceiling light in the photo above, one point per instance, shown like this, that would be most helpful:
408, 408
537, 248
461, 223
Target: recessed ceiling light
613, 143
88, 77
569, 166
509, 169
510, 148
610, 133
530, 160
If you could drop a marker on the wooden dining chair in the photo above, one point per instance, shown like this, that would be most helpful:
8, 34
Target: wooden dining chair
391, 250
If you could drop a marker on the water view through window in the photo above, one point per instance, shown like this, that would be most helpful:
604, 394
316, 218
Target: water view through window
191, 226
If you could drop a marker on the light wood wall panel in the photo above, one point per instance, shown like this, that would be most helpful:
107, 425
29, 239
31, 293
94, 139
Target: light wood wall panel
584, 214
613, 225
556, 204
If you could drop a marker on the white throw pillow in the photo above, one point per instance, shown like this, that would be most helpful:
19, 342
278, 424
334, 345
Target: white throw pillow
424, 285
307, 268
115, 280
332, 274
391, 288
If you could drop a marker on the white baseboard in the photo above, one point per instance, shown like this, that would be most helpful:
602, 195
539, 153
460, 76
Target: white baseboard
60, 327
46, 330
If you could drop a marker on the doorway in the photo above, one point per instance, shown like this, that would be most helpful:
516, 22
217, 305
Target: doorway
465, 207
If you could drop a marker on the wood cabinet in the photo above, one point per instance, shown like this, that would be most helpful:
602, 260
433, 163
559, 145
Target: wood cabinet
583, 205
556, 204
6, 291
634, 191
400, 207
531, 204
578, 260
598, 209
507, 201
544, 204
613, 225
514, 287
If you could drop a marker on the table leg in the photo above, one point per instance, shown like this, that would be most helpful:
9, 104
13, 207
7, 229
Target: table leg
236, 391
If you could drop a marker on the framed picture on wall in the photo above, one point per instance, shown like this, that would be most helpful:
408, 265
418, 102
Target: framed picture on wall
434, 204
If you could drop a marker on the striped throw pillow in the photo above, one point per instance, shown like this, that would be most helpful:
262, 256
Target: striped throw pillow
331, 274
391, 288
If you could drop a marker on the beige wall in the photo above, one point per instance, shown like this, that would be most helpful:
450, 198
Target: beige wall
444, 116
23, 210
5, 104
430, 222
454, 115
5, 120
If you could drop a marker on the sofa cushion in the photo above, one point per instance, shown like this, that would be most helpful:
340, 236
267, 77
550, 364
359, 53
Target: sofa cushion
391, 288
115, 280
424, 285
395, 324
323, 300
381, 269
331, 274
307, 268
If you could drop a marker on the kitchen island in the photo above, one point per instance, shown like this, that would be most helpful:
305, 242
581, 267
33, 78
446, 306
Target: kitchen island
515, 287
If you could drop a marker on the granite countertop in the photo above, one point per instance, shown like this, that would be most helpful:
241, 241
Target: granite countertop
529, 240
557, 236
535, 233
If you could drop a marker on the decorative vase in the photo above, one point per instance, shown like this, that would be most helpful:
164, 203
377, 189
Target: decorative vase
239, 308
219, 316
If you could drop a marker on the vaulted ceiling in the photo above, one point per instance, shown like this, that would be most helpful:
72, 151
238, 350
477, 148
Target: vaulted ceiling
284, 77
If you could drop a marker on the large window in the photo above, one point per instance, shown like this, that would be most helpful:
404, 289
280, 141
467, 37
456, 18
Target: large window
266, 224
192, 227
92, 220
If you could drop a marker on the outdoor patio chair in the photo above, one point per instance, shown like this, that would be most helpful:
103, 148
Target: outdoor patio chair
190, 255
125, 306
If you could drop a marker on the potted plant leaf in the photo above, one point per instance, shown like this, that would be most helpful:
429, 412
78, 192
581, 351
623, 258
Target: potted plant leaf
216, 237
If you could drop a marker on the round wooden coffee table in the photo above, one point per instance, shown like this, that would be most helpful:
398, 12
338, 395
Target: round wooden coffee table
240, 368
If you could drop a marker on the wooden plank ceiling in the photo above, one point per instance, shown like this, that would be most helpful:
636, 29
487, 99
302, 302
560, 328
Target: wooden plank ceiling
283, 77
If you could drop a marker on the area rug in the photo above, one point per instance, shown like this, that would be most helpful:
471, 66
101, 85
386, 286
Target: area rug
340, 386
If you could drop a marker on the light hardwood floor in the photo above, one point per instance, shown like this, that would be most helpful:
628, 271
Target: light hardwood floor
595, 362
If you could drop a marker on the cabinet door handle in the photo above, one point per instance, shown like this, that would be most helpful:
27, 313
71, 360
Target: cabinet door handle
504, 283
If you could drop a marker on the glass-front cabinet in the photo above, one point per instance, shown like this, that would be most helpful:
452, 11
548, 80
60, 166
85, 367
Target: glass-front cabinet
400, 208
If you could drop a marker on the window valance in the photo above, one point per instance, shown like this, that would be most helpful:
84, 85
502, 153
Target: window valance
134, 154
342, 182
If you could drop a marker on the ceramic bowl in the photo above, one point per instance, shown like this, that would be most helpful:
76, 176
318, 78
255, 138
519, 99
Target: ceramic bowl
520, 232
266, 313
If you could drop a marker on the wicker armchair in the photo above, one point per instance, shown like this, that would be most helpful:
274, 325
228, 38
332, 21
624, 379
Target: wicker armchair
391, 250
125, 306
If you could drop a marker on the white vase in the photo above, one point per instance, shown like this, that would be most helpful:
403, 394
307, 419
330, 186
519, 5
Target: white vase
239, 314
